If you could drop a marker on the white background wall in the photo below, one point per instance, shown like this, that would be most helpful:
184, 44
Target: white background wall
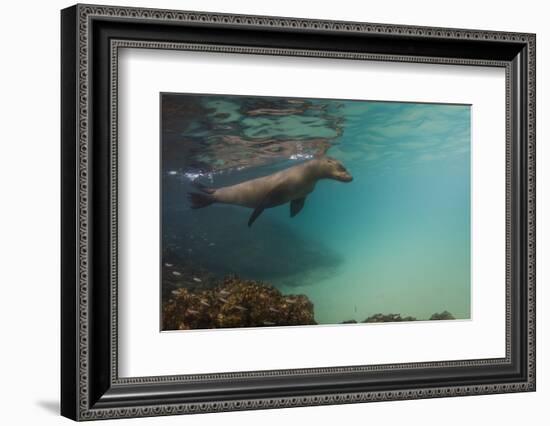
29, 212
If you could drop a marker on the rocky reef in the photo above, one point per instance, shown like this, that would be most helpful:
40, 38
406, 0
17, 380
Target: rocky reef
234, 303
388, 318
445, 315
194, 298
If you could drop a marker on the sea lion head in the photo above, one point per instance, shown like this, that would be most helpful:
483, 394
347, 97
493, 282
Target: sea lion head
334, 169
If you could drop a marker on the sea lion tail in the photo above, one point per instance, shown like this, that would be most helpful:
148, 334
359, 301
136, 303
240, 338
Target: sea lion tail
199, 200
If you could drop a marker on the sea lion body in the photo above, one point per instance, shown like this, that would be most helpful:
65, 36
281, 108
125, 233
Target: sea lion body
294, 180
289, 185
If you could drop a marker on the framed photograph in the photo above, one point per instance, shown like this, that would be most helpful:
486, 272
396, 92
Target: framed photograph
263, 212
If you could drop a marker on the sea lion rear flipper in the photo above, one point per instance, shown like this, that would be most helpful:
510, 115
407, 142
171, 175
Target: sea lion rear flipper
203, 188
199, 200
296, 206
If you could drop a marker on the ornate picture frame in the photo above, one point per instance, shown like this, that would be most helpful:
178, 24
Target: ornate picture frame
91, 37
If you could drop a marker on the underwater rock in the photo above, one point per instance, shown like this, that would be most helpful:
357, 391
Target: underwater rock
445, 315
388, 318
235, 303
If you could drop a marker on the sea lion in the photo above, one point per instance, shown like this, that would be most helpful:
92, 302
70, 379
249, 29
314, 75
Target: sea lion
289, 185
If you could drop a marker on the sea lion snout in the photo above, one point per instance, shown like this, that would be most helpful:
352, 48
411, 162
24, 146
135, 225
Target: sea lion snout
337, 171
344, 177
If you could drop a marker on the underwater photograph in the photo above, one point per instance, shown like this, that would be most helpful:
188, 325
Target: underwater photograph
280, 211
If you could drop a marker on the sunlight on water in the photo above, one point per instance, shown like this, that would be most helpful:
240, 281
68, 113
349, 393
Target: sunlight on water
395, 240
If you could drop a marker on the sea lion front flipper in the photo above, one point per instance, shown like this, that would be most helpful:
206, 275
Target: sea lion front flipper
296, 206
257, 211
269, 200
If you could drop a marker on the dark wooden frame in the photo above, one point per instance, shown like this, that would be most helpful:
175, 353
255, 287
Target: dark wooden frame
91, 37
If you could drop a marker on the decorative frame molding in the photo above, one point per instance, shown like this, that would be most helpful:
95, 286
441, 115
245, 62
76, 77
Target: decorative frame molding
91, 388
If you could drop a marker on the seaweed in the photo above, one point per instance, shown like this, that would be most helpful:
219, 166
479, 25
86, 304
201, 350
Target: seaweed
235, 303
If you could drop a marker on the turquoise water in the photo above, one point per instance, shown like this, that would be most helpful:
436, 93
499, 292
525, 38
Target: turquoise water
394, 240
